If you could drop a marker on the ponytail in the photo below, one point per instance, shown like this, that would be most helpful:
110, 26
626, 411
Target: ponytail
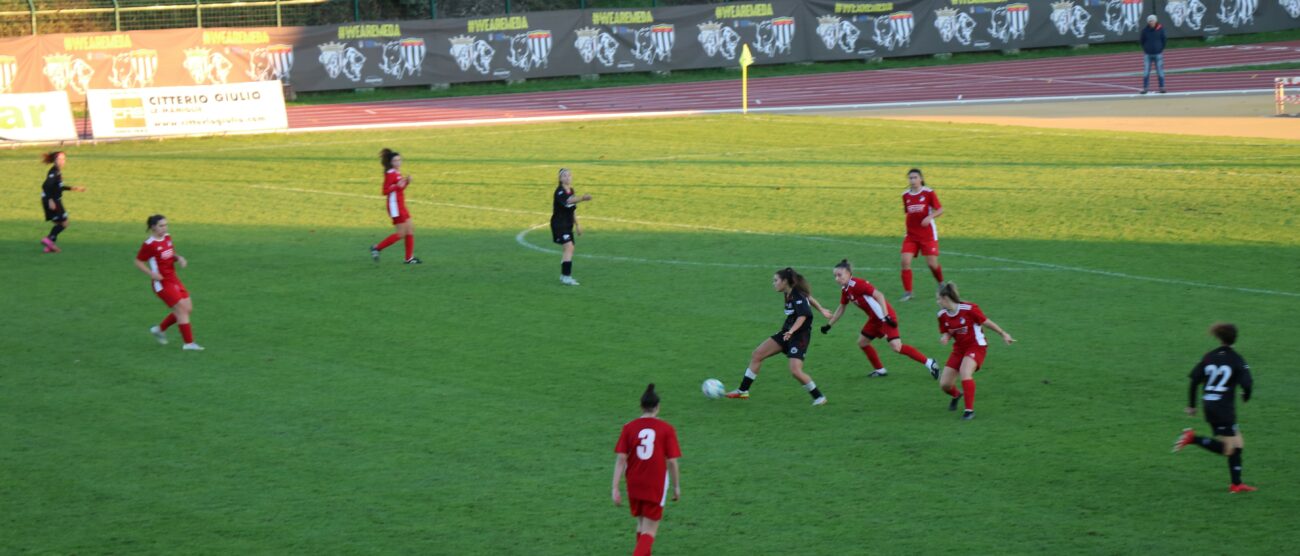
386, 157
949, 290
797, 281
50, 157
650, 399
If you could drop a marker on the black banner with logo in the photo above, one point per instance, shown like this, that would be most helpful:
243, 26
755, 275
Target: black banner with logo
576, 42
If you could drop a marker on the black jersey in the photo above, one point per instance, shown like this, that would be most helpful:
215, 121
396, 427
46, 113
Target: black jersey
53, 186
562, 211
796, 305
1222, 371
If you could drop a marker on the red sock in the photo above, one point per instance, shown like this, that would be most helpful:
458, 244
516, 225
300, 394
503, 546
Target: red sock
873, 356
912, 352
968, 386
952, 391
167, 322
937, 271
643, 544
187, 334
388, 241
907, 280
410, 246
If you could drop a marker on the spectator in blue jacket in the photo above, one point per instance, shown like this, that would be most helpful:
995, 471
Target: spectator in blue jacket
1153, 48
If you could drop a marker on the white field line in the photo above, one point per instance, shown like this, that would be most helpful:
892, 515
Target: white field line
1050, 266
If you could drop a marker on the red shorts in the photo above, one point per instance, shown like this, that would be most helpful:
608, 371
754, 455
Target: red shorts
954, 360
646, 509
920, 247
401, 217
171, 292
877, 329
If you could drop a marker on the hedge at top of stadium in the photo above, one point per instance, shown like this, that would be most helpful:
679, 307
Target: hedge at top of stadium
576, 42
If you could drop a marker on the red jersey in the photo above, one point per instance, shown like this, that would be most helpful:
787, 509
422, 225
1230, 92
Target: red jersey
918, 206
161, 257
394, 196
649, 443
859, 292
964, 327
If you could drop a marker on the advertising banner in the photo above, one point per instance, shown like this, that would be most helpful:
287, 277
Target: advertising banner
36, 117
197, 109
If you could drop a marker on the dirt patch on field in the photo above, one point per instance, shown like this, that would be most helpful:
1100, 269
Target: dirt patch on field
1236, 115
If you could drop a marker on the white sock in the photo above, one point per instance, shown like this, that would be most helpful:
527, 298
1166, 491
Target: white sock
810, 386
750, 375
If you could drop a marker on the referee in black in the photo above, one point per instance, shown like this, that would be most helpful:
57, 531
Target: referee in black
564, 222
1221, 371
52, 198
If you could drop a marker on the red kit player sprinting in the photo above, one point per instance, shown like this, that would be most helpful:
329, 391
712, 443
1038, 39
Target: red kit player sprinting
647, 452
882, 322
921, 205
963, 322
395, 202
157, 258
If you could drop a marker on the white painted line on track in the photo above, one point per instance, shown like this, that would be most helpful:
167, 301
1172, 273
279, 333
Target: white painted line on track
1050, 266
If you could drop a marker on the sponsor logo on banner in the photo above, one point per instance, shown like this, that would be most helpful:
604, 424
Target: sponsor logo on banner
1292, 7
65, 71
1236, 13
1122, 16
719, 40
403, 58
655, 43
1186, 13
342, 59
837, 33
1008, 22
198, 109
595, 44
36, 116
472, 53
531, 50
270, 63
954, 25
1070, 18
894, 31
206, 66
134, 69
8, 73
773, 36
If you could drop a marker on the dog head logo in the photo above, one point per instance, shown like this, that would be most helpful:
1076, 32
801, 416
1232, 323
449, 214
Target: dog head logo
954, 25
403, 58
339, 58
206, 66
655, 43
774, 36
1122, 15
837, 33
470, 52
717, 38
530, 50
67, 72
594, 44
1237, 12
134, 69
893, 31
1008, 22
1070, 19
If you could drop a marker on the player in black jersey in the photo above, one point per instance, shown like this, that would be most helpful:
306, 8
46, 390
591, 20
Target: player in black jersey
52, 198
794, 337
564, 223
1222, 371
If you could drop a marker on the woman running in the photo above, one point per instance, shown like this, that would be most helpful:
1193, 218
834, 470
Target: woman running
647, 453
792, 340
921, 205
882, 322
395, 196
1221, 371
963, 323
52, 198
158, 258
564, 222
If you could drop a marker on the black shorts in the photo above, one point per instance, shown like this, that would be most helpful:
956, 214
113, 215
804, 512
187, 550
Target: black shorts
796, 347
59, 213
1223, 419
562, 234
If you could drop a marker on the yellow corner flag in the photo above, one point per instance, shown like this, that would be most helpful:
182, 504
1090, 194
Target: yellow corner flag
745, 60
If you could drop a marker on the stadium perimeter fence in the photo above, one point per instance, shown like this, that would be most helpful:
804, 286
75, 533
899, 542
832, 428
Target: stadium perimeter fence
33, 17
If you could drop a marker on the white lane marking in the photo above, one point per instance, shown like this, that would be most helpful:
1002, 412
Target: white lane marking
523, 241
1069, 268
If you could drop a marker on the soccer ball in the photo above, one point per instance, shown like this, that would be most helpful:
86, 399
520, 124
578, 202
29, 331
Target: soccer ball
713, 389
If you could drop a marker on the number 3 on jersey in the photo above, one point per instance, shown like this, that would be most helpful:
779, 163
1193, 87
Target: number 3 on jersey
647, 446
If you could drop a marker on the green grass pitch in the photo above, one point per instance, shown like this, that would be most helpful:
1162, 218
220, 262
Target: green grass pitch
470, 405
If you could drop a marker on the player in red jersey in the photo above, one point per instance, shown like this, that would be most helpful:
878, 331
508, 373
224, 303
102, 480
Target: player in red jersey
52, 198
882, 322
647, 453
921, 205
963, 322
157, 258
395, 199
